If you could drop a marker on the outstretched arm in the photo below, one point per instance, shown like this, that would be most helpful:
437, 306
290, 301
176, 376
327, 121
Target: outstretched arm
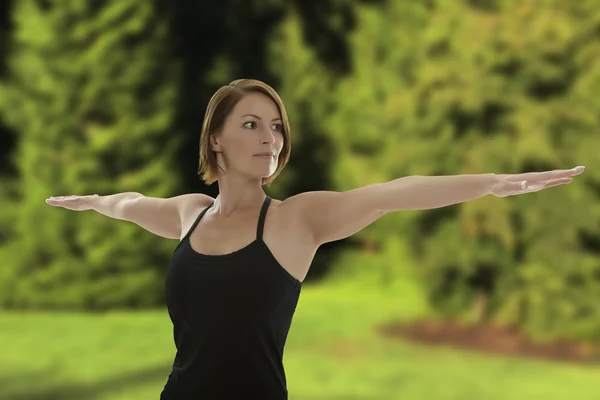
110, 205
159, 216
329, 216
427, 192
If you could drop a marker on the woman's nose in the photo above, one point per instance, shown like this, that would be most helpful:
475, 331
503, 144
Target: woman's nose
269, 136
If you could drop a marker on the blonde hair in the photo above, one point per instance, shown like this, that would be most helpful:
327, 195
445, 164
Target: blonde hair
219, 108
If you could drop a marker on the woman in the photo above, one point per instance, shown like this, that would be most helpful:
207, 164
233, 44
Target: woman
235, 277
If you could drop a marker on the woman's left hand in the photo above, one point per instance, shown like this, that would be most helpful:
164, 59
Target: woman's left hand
511, 184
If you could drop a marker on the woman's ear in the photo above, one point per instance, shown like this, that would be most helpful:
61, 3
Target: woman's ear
214, 144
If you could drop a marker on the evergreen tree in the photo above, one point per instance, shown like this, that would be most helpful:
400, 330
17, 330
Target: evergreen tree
445, 88
89, 90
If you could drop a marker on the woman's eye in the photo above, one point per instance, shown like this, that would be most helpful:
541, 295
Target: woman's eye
280, 126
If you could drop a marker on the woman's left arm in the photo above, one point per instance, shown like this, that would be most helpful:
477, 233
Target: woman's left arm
326, 216
427, 192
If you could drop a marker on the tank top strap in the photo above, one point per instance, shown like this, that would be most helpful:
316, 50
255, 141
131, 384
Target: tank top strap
197, 220
261, 219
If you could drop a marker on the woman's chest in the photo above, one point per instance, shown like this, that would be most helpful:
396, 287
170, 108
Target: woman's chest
283, 235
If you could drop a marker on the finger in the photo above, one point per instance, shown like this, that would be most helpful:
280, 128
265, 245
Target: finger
55, 202
510, 187
60, 199
570, 172
551, 175
563, 173
558, 182
520, 186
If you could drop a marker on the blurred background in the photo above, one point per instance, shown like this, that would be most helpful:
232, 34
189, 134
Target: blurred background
496, 298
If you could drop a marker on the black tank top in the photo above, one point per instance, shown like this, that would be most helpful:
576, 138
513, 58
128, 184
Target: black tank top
231, 314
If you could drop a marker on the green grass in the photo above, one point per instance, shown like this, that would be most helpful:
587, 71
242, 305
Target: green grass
332, 353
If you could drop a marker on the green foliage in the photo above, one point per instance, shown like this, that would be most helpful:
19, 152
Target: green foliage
445, 88
434, 88
302, 80
89, 90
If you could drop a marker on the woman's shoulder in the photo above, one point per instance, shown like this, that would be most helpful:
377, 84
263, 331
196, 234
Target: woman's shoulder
194, 201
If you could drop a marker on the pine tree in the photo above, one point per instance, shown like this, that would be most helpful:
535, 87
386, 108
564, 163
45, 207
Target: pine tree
445, 88
90, 92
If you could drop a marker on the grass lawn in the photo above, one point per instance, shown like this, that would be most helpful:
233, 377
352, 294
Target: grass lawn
332, 353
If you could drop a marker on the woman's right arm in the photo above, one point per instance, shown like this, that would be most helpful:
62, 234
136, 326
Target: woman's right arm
113, 205
163, 217
110, 205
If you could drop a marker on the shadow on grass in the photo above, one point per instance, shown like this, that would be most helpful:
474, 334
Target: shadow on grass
31, 386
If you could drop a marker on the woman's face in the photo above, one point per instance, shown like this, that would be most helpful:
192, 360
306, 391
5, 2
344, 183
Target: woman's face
253, 127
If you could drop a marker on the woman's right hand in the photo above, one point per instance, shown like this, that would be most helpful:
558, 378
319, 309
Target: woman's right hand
77, 203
